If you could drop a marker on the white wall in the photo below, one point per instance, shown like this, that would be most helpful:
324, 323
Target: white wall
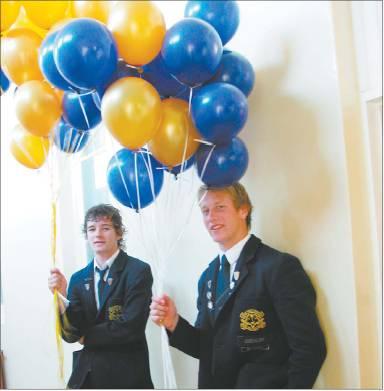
298, 178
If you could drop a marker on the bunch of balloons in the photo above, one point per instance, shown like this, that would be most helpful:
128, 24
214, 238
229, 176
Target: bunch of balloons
172, 98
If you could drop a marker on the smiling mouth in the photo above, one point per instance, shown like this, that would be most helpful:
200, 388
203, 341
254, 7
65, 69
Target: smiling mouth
215, 227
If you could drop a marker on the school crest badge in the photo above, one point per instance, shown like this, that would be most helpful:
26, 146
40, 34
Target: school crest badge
115, 312
252, 320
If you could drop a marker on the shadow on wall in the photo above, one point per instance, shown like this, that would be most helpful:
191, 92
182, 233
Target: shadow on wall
288, 177
286, 160
333, 376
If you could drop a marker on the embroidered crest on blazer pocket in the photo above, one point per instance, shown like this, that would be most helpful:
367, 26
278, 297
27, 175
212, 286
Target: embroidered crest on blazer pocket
252, 320
115, 312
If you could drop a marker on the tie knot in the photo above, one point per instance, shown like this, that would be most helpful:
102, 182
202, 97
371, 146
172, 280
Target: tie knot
101, 272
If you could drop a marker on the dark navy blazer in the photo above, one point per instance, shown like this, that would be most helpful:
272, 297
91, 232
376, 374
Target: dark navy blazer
115, 353
264, 333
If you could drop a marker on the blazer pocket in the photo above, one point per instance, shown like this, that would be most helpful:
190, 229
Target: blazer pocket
115, 308
249, 343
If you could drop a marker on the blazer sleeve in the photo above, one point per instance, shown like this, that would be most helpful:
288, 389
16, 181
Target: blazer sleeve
295, 302
186, 337
130, 327
72, 320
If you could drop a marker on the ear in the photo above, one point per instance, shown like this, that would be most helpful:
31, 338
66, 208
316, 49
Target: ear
243, 211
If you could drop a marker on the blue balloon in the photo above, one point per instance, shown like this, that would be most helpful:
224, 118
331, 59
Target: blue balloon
5, 83
222, 165
69, 139
159, 76
122, 70
85, 53
219, 111
235, 69
181, 167
80, 110
222, 15
48, 66
122, 178
192, 51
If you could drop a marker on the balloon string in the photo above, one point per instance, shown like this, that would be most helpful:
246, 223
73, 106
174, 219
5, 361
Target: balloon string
190, 100
83, 110
123, 179
206, 161
137, 184
59, 342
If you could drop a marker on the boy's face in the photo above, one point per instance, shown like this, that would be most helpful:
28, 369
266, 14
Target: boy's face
226, 224
102, 237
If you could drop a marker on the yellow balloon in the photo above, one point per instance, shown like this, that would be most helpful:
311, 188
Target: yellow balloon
37, 107
92, 9
9, 11
28, 149
139, 30
22, 21
176, 136
20, 55
45, 13
131, 111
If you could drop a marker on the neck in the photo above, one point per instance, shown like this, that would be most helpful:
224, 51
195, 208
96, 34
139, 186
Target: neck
230, 243
102, 258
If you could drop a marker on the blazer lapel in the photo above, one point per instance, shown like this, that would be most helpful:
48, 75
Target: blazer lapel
89, 288
112, 279
240, 273
210, 298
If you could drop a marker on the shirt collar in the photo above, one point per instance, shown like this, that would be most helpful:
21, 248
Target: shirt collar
107, 263
233, 253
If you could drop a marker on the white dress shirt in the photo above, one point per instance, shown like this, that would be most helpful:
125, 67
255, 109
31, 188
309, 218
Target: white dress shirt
233, 254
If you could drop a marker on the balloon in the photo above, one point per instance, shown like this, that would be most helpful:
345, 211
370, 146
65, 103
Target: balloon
37, 107
5, 83
222, 15
235, 69
219, 111
192, 51
48, 66
122, 70
69, 139
23, 22
92, 9
85, 53
222, 165
19, 55
139, 29
182, 167
131, 110
28, 149
80, 111
174, 141
8, 13
59, 94
158, 75
45, 13
123, 174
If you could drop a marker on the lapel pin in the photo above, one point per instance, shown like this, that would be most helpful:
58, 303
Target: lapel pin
236, 275
110, 280
86, 287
